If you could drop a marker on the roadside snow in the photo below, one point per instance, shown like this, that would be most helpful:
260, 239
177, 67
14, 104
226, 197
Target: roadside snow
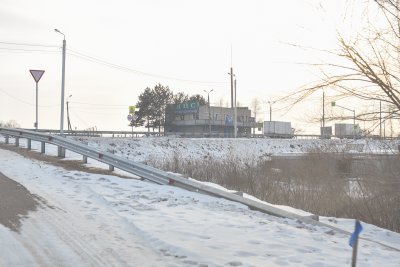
245, 149
101, 220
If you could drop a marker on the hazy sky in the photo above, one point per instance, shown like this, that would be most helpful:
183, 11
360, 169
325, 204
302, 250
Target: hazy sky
180, 43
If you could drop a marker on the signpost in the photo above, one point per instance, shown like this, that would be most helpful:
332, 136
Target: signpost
131, 116
353, 242
36, 74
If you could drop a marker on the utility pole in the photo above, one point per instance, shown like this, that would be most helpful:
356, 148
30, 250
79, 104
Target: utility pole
380, 118
270, 112
270, 109
61, 151
233, 100
231, 73
323, 107
209, 110
62, 83
352, 110
235, 115
68, 120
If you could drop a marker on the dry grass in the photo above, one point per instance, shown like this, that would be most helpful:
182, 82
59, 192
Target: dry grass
328, 184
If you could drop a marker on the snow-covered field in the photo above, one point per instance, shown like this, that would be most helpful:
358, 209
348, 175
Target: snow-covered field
145, 148
102, 220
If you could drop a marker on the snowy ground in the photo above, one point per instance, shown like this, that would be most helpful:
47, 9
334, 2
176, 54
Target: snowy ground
101, 220
142, 149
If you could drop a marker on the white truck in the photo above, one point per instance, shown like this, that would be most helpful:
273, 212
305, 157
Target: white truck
278, 129
347, 130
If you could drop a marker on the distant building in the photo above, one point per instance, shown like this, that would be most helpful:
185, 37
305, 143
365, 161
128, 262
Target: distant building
191, 119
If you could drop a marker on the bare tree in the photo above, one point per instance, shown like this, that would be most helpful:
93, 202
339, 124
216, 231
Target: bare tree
10, 124
369, 64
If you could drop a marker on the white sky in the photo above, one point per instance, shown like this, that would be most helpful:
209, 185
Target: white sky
189, 40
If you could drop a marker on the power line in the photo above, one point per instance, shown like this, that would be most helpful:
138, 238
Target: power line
123, 68
27, 44
92, 104
103, 62
25, 102
27, 50
80, 119
73, 110
99, 108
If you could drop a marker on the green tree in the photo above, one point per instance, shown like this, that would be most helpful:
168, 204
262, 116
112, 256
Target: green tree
151, 106
153, 102
180, 97
199, 98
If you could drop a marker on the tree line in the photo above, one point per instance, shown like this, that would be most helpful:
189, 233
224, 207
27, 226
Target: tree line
152, 103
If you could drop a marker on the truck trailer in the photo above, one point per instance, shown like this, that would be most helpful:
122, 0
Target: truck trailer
347, 130
278, 129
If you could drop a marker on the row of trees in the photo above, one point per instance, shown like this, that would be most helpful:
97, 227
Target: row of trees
153, 102
9, 124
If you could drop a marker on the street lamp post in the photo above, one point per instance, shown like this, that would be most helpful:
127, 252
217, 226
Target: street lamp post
270, 109
62, 83
235, 115
61, 152
233, 99
352, 110
68, 120
209, 110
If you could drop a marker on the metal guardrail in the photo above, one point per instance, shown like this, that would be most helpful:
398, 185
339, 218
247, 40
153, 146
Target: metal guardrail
128, 134
99, 133
141, 170
161, 177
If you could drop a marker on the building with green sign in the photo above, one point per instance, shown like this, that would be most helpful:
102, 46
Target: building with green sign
194, 120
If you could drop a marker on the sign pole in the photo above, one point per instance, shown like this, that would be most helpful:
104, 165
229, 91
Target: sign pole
37, 74
354, 259
37, 104
353, 242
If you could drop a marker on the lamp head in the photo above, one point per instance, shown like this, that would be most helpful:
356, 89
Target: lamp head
57, 30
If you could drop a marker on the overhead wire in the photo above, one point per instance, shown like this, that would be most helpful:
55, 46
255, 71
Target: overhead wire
27, 103
27, 50
93, 104
27, 44
138, 72
97, 60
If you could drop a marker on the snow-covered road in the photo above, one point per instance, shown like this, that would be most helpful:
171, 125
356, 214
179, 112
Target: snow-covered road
101, 220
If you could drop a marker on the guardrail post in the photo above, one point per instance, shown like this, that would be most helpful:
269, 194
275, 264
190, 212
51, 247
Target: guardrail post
42, 147
29, 144
16, 141
84, 160
7, 139
111, 168
61, 152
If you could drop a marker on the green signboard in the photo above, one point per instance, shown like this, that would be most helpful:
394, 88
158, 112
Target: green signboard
187, 107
